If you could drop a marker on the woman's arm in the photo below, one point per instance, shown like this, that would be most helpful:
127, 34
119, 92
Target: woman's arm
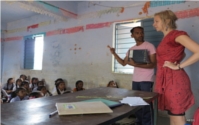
191, 45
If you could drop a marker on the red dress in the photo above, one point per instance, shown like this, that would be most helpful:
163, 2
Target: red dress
173, 86
196, 117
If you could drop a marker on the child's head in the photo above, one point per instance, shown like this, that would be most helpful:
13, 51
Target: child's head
34, 80
61, 85
58, 80
79, 85
18, 82
21, 92
40, 83
25, 84
42, 89
23, 77
10, 81
35, 95
112, 84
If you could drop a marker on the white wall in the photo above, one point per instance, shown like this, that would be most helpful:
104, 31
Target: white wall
91, 61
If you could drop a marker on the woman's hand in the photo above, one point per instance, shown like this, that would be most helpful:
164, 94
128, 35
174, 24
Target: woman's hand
171, 65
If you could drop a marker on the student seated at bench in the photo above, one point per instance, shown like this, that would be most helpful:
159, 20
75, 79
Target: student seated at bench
43, 90
79, 86
25, 85
56, 81
34, 95
8, 87
60, 88
39, 83
112, 84
23, 77
17, 84
18, 95
33, 83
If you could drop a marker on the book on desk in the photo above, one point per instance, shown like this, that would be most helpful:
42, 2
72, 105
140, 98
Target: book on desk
74, 108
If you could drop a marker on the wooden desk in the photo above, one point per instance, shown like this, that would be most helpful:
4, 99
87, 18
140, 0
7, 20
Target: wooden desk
36, 111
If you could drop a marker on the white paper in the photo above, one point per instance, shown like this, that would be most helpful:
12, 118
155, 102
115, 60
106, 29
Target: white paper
133, 101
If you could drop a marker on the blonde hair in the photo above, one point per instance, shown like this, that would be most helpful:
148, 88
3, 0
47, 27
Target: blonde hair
168, 15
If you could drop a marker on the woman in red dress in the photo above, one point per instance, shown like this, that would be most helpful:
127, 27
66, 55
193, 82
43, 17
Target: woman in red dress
172, 82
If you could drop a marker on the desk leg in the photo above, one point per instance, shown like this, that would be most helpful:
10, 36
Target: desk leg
155, 111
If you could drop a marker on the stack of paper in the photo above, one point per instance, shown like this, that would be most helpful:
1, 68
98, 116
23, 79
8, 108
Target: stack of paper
133, 101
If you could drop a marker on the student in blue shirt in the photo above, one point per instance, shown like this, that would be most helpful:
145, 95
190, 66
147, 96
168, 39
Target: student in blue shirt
18, 95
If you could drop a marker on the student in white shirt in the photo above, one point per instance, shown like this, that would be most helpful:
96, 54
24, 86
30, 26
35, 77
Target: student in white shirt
33, 83
60, 88
17, 84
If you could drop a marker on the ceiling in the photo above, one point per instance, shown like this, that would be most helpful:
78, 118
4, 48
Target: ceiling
11, 12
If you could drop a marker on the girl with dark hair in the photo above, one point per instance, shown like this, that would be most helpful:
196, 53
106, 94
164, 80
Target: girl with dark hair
33, 83
44, 91
39, 83
34, 95
57, 81
23, 77
18, 95
60, 88
25, 85
79, 86
9, 86
17, 84
112, 84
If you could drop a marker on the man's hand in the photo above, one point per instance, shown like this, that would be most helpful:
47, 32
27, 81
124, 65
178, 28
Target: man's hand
112, 50
131, 62
121, 61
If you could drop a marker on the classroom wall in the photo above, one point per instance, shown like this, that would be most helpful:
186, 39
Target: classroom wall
69, 5
84, 55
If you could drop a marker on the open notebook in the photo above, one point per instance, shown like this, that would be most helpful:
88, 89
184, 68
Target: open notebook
73, 108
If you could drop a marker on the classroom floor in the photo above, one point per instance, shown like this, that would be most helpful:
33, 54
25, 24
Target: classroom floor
162, 120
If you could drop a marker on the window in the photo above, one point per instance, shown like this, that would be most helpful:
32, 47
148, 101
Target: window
33, 56
123, 41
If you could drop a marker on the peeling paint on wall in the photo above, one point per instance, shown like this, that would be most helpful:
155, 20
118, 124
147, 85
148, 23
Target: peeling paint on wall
56, 53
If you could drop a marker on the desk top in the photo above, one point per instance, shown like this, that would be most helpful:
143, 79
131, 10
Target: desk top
36, 111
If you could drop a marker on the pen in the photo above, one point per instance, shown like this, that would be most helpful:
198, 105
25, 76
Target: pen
52, 113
